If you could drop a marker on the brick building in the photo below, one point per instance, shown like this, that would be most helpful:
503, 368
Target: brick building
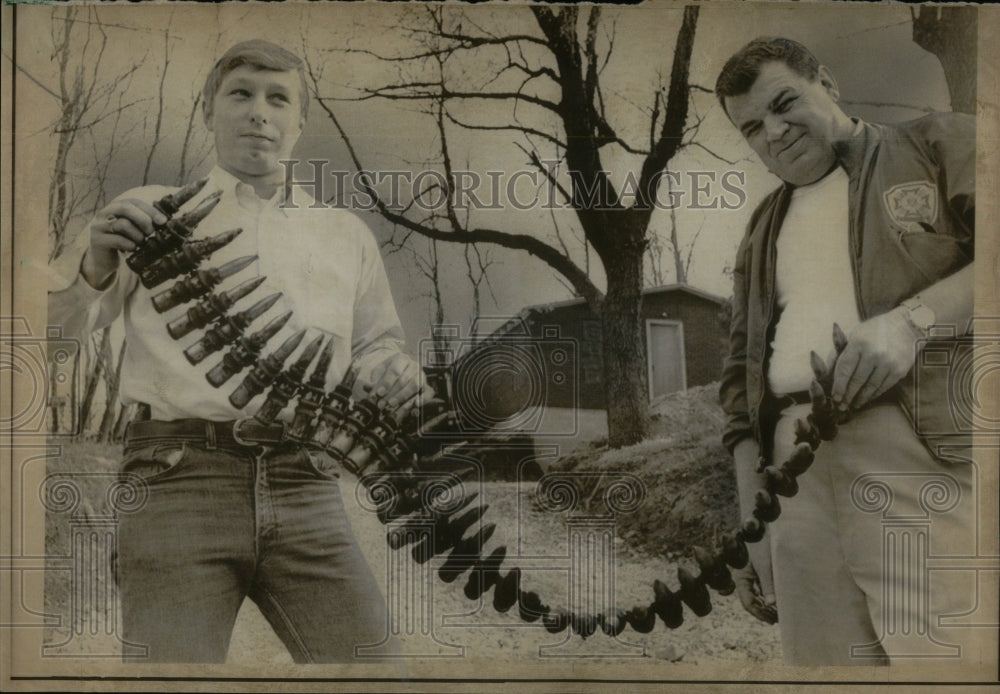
553, 353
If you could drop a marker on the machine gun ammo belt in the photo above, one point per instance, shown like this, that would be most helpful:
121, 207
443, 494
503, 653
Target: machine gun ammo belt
394, 449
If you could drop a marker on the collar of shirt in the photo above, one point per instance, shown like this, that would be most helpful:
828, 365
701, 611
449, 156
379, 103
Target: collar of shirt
851, 151
220, 179
836, 174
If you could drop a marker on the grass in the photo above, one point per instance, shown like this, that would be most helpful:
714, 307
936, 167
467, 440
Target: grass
78, 586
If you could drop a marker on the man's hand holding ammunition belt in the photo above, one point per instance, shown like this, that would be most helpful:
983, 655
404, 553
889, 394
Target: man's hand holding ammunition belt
126, 225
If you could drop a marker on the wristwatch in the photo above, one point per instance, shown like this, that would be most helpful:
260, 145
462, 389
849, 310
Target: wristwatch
919, 315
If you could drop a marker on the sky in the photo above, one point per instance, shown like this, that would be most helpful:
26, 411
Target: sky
868, 48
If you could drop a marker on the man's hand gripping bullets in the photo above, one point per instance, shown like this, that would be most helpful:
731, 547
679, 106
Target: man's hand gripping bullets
171, 251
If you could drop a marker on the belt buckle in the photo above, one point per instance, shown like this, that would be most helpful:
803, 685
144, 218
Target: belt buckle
236, 432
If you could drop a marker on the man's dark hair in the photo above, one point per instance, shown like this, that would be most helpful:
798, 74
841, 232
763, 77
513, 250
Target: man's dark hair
743, 68
260, 55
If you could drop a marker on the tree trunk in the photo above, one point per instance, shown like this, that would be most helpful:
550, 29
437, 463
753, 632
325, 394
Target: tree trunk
126, 413
950, 33
69, 99
93, 378
626, 391
106, 432
74, 394
54, 398
680, 272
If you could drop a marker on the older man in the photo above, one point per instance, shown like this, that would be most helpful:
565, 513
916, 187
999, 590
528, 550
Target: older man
872, 229
229, 517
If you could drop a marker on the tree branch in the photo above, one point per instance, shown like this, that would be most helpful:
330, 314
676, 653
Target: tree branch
449, 175
388, 92
519, 128
536, 161
889, 104
709, 151
675, 113
524, 242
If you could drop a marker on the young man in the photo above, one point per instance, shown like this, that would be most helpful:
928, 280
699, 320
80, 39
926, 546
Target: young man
873, 230
228, 517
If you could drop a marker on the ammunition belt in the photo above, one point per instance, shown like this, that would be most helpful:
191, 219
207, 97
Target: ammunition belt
375, 441
803, 397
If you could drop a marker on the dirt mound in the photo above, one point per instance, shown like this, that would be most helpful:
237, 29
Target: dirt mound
695, 412
687, 476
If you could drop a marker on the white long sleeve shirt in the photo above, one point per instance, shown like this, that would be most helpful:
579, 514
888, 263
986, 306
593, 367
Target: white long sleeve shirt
323, 260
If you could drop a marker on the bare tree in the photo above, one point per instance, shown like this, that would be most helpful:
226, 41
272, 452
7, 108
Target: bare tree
160, 104
112, 426
84, 100
188, 148
680, 270
557, 100
194, 153
112, 380
93, 125
654, 254
477, 265
95, 373
681, 260
951, 34
428, 264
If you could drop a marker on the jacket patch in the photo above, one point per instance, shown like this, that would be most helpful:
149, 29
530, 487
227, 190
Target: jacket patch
910, 204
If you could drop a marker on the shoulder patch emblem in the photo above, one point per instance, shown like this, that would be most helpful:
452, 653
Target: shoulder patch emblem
909, 204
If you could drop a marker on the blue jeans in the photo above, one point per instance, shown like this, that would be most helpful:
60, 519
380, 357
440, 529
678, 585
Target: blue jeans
230, 522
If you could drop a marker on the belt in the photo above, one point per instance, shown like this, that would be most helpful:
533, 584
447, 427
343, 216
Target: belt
799, 397
802, 397
240, 432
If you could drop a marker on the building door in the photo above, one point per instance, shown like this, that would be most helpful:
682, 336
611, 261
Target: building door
665, 353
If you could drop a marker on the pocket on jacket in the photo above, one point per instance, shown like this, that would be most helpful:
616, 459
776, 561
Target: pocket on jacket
934, 254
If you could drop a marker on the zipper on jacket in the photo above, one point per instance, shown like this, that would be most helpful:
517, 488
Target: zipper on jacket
772, 270
858, 182
852, 239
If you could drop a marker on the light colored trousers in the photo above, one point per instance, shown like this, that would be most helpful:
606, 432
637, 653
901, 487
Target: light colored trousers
852, 552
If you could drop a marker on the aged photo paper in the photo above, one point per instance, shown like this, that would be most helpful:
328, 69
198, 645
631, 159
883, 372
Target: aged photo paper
543, 207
